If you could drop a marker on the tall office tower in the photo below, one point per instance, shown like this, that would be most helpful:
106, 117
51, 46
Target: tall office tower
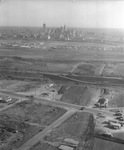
44, 26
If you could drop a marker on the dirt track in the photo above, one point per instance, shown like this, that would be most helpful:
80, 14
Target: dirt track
41, 134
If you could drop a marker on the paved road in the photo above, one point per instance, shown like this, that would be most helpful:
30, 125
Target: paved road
48, 129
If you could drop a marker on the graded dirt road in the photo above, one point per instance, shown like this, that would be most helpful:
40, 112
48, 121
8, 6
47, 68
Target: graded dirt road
71, 110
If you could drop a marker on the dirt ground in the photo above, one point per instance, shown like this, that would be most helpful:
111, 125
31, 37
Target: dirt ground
11, 65
78, 128
34, 113
17, 139
115, 97
90, 69
114, 70
28, 118
43, 146
18, 86
78, 95
100, 144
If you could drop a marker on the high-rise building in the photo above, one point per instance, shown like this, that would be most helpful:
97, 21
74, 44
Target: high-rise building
44, 26
64, 27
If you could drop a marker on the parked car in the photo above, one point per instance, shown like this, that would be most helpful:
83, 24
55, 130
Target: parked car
8, 99
107, 134
119, 117
100, 114
118, 114
29, 96
82, 108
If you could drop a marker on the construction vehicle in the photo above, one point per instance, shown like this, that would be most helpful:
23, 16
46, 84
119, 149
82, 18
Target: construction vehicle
102, 102
82, 108
100, 115
114, 125
118, 113
121, 118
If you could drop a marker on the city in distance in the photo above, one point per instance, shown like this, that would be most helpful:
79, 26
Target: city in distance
61, 75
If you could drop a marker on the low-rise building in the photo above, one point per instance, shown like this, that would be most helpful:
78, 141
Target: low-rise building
64, 147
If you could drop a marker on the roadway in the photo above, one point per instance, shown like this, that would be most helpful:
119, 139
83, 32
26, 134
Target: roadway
39, 137
71, 109
59, 103
96, 80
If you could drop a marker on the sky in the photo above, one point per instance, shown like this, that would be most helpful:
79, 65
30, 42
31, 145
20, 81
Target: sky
72, 13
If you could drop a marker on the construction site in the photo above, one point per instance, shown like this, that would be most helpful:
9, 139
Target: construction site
61, 75
52, 115
78, 109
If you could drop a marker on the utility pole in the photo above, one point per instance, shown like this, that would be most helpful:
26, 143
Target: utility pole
53, 94
35, 92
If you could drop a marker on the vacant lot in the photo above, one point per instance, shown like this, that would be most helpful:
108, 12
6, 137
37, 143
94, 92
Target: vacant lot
15, 140
90, 69
28, 118
119, 70
114, 70
64, 54
78, 95
22, 67
18, 86
34, 113
79, 128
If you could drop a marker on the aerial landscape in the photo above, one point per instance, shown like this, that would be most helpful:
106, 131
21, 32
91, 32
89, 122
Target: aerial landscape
61, 80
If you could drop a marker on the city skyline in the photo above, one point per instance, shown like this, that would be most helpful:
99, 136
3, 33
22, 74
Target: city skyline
73, 13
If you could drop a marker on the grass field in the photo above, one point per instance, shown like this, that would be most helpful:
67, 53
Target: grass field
66, 54
18, 86
119, 70
89, 69
114, 70
13, 64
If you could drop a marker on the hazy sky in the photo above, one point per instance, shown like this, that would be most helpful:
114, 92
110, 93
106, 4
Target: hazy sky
73, 13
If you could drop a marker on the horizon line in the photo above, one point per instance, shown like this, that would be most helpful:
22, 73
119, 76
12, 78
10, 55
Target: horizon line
62, 26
